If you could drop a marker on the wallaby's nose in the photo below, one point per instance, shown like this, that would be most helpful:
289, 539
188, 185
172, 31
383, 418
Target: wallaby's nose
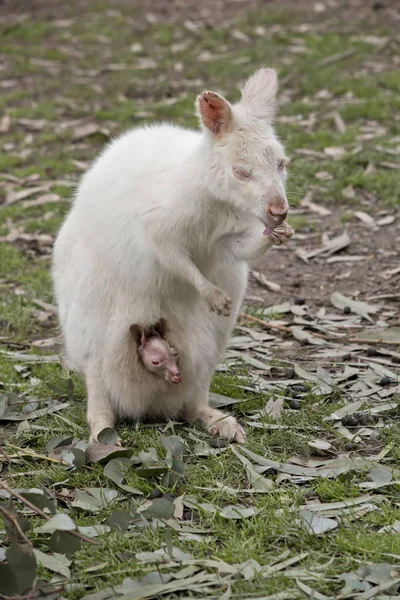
279, 213
276, 210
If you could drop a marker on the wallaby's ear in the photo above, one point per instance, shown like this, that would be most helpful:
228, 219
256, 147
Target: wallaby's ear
137, 333
214, 112
259, 94
161, 327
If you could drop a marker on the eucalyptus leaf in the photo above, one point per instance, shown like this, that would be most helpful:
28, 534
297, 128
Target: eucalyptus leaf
363, 309
40, 500
238, 512
60, 440
63, 542
59, 522
119, 520
54, 562
160, 508
116, 470
107, 436
22, 562
316, 524
103, 453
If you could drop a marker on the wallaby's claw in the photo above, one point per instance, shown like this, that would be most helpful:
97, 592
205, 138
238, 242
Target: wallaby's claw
229, 429
219, 302
281, 234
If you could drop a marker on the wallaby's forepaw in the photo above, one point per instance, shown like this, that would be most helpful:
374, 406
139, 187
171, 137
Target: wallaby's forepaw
218, 301
281, 234
229, 429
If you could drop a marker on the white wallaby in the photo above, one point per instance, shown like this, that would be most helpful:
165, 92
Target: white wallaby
163, 226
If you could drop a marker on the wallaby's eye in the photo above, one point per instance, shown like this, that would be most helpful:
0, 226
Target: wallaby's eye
155, 363
281, 165
241, 173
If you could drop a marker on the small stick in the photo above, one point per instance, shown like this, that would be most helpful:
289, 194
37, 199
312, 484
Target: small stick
59, 461
328, 60
8, 515
38, 511
319, 335
6, 456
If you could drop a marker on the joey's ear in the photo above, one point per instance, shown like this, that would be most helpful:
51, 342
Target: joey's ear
214, 112
161, 327
259, 94
137, 333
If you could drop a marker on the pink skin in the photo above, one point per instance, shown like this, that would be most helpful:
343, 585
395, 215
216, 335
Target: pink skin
159, 357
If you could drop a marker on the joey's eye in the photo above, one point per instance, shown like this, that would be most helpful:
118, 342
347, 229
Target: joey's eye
241, 173
155, 363
281, 165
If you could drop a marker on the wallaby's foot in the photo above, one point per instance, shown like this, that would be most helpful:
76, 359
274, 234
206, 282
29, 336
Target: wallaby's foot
229, 429
281, 234
217, 423
218, 301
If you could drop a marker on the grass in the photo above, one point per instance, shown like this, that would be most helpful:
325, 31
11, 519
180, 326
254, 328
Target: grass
61, 74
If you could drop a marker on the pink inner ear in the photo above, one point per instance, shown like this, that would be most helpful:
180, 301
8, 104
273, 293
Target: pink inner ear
214, 111
143, 341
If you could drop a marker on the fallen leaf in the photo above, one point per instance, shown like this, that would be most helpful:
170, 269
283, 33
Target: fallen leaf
366, 219
116, 470
54, 562
364, 309
316, 524
238, 512
270, 285
5, 123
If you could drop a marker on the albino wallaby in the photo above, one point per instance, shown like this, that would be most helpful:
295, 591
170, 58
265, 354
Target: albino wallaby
164, 224
155, 353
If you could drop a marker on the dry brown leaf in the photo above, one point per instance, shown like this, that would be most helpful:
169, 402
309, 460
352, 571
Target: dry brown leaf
270, 285
32, 124
388, 220
316, 208
42, 200
335, 152
366, 219
339, 123
85, 130
5, 124
13, 196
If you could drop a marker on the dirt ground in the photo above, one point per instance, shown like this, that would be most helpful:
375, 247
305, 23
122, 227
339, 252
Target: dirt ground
377, 250
216, 12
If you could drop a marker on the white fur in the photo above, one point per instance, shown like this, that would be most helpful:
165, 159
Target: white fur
162, 227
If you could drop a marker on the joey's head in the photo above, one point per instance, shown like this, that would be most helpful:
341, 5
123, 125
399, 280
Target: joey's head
156, 354
247, 162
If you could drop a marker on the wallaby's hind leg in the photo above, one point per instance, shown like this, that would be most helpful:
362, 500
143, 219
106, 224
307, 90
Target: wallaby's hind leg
217, 422
100, 413
220, 424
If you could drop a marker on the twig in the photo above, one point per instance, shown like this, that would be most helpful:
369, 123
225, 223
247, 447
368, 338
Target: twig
38, 511
330, 338
8, 515
6, 456
328, 60
265, 323
383, 297
59, 461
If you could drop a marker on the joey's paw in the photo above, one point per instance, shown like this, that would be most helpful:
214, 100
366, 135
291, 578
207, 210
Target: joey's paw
229, 429
218, 301
281, 234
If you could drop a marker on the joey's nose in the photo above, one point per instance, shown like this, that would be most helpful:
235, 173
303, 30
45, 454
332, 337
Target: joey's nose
177, 378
